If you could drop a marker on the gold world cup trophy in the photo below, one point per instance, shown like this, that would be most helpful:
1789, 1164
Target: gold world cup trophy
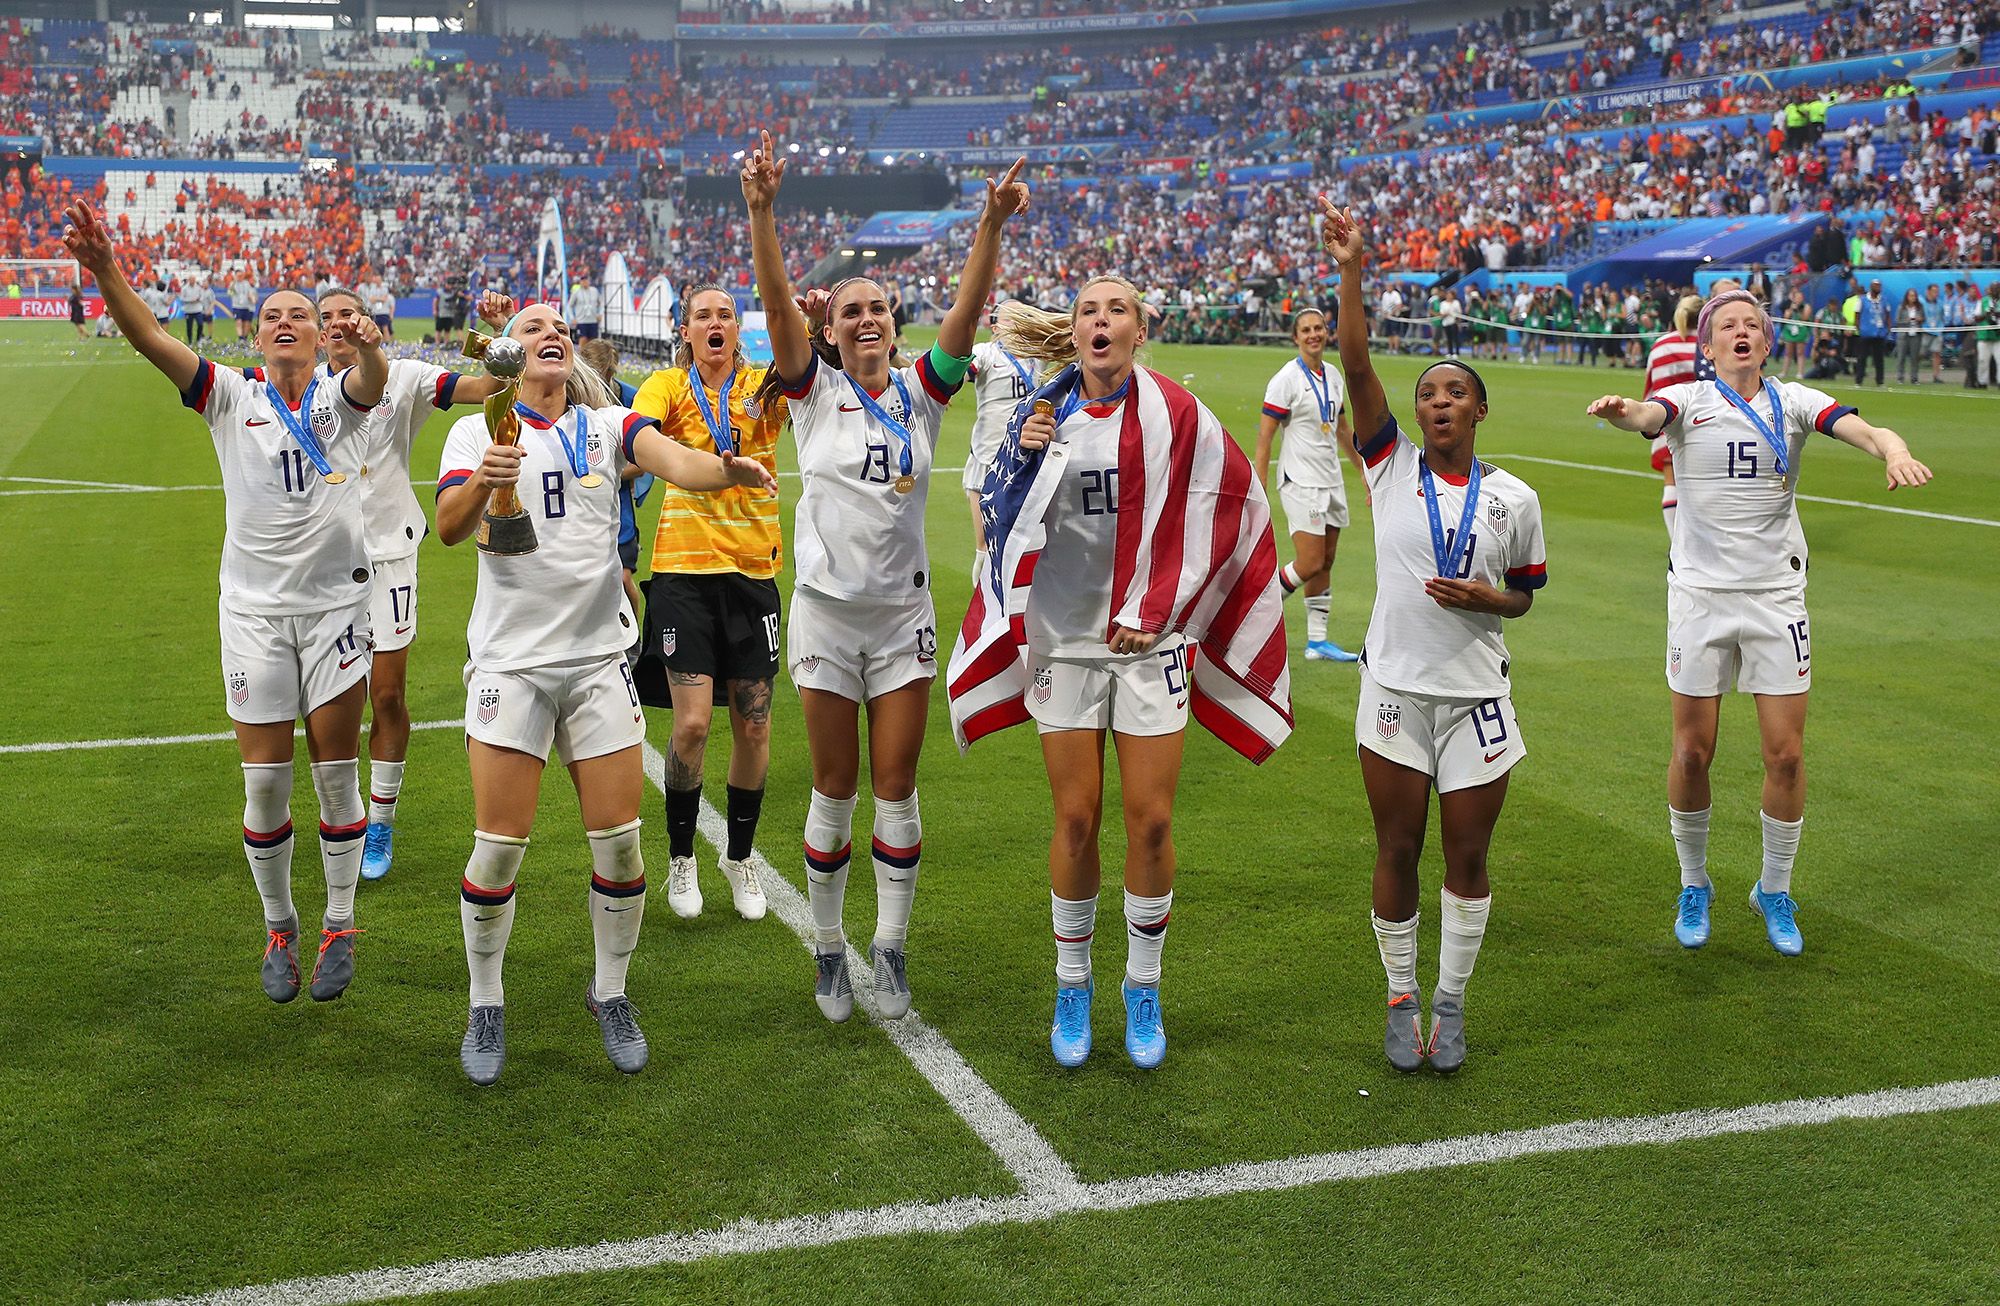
505, 530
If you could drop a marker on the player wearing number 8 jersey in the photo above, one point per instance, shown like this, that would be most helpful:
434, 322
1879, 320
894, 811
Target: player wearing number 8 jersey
1458, 547
547, 665
1736, 611
295, 585
862, 625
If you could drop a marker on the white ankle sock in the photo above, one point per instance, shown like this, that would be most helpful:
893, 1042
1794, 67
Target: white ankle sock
1397, 941
1146, 936
829, 849
267, 836
898, 850
1075, 922
1318, 608
385, 785
1464, 926
1691, 844
1781, 848
342, 822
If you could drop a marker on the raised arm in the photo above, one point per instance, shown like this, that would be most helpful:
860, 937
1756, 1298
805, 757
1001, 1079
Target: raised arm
1884, 444
1640, 416
791, 345
363, 385
90, 245
1340, 235
975, 283
696, 469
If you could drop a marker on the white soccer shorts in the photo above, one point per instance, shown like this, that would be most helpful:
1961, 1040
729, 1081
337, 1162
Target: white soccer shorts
583, 709
860, 651
1756, 640
1313, 510
281, 668
1146, 694
393, 604
1460, 743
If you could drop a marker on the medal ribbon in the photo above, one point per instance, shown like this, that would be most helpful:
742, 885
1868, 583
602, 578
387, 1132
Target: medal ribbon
1449, 558
725, 440
1075, 400
1779, 449
574, 453
301, 425
1322, 392
1026, 380
876, 411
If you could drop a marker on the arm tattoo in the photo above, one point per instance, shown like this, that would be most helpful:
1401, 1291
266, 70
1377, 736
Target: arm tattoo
751, 699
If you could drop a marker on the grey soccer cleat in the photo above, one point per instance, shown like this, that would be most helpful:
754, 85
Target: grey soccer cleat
484, 1050
831, 988
1446, 1051
335, 969
892, 981
281, 960
624, 1043
1404, 1041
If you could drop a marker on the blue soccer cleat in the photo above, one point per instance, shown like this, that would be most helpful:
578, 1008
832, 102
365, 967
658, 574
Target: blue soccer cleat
378, 849
1069, 1032
1781, 924
1691, 921
1322, 650
1145, 1031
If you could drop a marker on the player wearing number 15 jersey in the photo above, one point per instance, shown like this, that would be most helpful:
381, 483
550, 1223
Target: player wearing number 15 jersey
1458, 548
1736, 597
295, 585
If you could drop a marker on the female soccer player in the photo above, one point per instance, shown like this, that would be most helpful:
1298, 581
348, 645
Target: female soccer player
295, 583
1796, 336
1000, 382
712, 601
1736, 599
547, 666
1104, 511
393, 526
862, 628
1671, 362
1310, 403
1458, 549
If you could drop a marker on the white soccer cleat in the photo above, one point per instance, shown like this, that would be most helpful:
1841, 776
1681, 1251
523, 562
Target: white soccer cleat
744, 889
683, 889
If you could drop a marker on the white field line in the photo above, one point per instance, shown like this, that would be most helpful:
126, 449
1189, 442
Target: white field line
1026, 1154
95, 485
751, 1236
153, 741
1803, 498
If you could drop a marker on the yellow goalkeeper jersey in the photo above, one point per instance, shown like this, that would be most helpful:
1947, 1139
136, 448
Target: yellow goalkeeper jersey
705, 532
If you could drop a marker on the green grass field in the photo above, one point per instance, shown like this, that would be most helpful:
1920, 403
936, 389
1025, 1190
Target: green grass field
167, 1130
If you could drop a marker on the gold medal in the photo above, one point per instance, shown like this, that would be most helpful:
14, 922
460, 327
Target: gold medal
364, 469
1326, 428
905, 484
590, 480
335, 478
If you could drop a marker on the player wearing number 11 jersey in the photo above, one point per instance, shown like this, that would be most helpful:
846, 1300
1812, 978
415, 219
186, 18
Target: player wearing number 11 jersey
1458, 547
1736, 597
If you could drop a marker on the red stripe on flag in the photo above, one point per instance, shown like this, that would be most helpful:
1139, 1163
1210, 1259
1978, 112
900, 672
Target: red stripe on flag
1011, 712
1226, 726
991, 662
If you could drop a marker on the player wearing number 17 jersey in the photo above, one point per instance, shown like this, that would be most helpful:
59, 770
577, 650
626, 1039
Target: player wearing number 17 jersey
1458, 549
295, 585
1736, 597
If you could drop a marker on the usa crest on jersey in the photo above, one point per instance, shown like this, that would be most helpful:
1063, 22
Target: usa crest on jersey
1388, 720
239, 687
668, 642
1044, 684
488, 706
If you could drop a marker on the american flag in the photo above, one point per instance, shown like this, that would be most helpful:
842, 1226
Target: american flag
1194, 554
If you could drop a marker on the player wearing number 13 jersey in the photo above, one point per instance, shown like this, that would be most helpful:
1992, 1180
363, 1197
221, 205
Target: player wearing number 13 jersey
1458, 547
1736, 596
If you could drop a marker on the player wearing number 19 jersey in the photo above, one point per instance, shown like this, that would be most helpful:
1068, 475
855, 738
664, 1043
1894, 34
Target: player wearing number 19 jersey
1736, 611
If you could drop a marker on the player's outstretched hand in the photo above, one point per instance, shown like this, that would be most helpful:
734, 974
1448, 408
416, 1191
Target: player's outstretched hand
1610, 407
1125, 640
1465, 595
87, 240
1009, 195
763, 173
1905, 470
501, 465
1038, 430
813, 304
362, 330
750, 472
1340, 234
496, 309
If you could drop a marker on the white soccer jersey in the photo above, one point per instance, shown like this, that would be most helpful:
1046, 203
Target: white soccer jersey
292, 543
1413, 644
393, 518
999, 383
855, 536
1069, 608
566, 600
1308, 456
1737, 525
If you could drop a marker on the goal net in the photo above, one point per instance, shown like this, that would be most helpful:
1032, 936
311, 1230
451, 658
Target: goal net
38, 290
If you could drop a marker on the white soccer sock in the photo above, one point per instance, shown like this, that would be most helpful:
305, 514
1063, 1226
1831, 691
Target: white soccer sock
385, 785
1691, 844
617, 904
267, 836
1781, 848
1075, 921
829, 848
1463, 925
1318, 608
1397, 941
1289, 577
486, 910
341, 825
1669, 502
899, 847
1146, 936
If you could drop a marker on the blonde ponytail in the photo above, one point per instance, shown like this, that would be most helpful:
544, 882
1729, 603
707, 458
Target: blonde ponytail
1050, 338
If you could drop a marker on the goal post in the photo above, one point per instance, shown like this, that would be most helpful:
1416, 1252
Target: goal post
37, 289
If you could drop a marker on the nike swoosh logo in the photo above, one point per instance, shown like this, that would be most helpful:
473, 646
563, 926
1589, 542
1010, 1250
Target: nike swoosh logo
1179, 703
1699, 420
1491, 756
402, 630
486, 918
350, 662
256, 421
265, 857
618, 909
1804, 672
845, 409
